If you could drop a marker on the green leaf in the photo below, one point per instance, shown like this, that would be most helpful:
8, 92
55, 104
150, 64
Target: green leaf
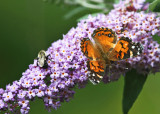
132, 87
86, 16
156, 38
116, 1
155, 6
74, 12
150, 1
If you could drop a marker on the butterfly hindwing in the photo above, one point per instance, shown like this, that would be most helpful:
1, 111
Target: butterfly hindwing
97, 69
124, 49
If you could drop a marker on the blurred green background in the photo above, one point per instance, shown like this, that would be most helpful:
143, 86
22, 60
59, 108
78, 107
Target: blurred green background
27, 26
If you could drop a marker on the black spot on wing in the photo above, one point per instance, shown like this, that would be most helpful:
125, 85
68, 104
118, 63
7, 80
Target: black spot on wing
82, 46
94, 77
126, 39
105, 30
121, 44
134, 48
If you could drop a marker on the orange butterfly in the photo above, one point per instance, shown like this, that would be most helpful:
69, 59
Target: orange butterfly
106, 49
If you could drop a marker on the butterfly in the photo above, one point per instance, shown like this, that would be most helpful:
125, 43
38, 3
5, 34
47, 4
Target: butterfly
105, 49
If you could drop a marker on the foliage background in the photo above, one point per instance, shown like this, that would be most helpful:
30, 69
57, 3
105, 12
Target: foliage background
27, 26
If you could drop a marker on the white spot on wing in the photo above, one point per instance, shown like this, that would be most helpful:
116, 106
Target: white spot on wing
131, 54
93, 82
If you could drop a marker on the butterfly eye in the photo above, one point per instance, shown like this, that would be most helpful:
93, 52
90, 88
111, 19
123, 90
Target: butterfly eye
109, 35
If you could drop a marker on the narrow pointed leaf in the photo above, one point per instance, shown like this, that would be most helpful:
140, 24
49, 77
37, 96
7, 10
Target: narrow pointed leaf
74, 12
155, 6
132, 87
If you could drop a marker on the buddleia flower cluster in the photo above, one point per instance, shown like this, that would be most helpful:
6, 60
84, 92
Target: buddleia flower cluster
129, 19
67, 65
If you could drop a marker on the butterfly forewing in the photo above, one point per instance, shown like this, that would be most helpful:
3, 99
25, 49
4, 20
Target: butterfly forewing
89, 50
105, 39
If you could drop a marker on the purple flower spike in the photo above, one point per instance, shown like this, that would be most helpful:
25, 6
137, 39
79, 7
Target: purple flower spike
67, 65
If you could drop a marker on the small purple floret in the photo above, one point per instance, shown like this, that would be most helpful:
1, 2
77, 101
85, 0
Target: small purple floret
67, 65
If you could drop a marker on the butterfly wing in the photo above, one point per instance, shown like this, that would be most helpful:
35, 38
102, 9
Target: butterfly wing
124, 49
96, 64
89, 50
97, 69
105, 39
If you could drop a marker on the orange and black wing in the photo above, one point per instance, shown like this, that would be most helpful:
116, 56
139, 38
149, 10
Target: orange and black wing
124, 49
96, 64
97, 69
105, 39
89, 50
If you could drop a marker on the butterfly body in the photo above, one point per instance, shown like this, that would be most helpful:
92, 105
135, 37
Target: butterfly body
105, 49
